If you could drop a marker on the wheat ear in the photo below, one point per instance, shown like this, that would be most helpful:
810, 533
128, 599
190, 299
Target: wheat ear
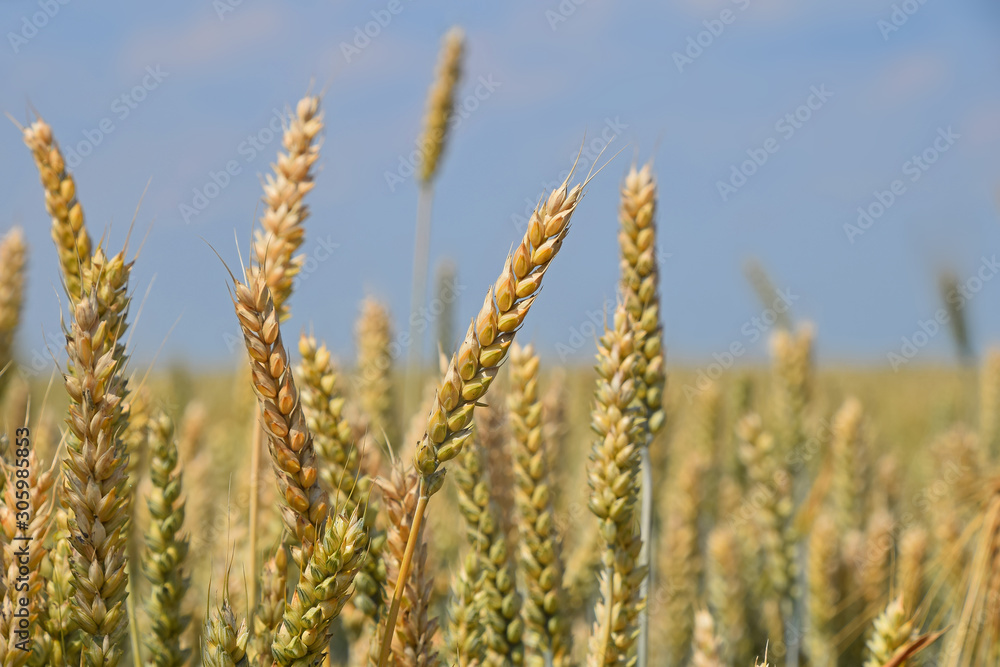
475, 365
13, 263
413, 643
613, 474
848, 489
165, 557
727, 592
441, 103
267, 618
59, 624
284, 191
681, 560
23, 543
823, 573
68, 229
910, 566
464, 633
890, 631
989, 403
96, 484
704, 643
340, 471
225, 642
792, 370
304, 503
545, 613
375, 393
325, 585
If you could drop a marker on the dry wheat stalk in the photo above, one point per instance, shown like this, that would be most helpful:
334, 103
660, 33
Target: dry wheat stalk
225, 642
613, 474
640, 288
890, 632
727, 593
374, 341
324, 587
304, 503
705, 643
823, 572
282, 231
165, 556
13, 267
413, 642
97, 489
267, 618
68, 229
681, 561
545, 612
495, 594
440, 103
847, 448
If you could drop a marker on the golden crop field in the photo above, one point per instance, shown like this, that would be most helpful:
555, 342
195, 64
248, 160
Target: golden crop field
494, 510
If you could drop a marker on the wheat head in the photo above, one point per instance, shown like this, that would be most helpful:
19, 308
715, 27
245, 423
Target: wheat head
440, 103
13, 267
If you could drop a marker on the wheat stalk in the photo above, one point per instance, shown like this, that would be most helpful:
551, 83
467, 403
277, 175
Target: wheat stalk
324, 587
545, 613
165, 557
284, 191
68, 229
13, 267
613, 474
304, 503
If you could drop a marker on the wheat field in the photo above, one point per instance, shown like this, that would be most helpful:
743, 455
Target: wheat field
494, 508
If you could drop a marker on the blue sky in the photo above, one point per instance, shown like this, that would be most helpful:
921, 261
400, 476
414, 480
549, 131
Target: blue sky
220, 76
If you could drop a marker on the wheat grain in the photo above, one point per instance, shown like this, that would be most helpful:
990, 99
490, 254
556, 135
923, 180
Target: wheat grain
68, 229
165, 557
225, 642
304, 503
284, 191
613, 476
13, 267
545, 612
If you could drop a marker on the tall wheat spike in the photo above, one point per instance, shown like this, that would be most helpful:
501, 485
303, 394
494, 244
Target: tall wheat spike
96, 485
165, 556
13, 267
441, 103
613, 475
304, 503
545, 612
793, 380
477, 361
495, 593
282, 232
68, 229
375, 366
847, 448
910, 574
464, 632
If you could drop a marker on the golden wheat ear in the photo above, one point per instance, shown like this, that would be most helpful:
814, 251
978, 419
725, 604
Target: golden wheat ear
13, 269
